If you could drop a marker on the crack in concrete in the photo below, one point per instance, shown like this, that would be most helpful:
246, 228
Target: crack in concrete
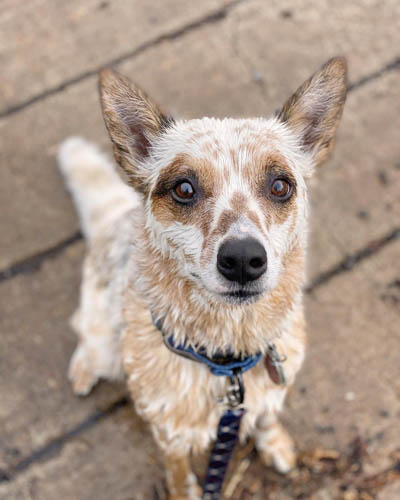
350, 261
258, 80
391, 66
211, 18
34, 262
55, 445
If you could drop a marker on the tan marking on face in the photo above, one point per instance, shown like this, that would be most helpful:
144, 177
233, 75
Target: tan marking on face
174, 246
195, 137
259, 174
233, 155
207, 181
294, 220
210, 149
239, 129
227, 172
253, 216
206, 217
281, 298
226, 219
216, 143
214, 154
238, 202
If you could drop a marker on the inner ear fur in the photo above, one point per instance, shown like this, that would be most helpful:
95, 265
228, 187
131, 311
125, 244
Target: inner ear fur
133, 121
314, 110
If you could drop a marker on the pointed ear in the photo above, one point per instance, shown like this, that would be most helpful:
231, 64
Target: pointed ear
313, 112
133, 121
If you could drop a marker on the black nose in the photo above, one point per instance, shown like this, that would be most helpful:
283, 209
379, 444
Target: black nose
242, 260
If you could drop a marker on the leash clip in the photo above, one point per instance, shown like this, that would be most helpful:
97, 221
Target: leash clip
235, 391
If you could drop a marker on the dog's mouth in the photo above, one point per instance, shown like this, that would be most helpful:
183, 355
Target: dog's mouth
241, 296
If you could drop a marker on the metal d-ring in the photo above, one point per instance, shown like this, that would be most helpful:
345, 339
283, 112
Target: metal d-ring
235, 391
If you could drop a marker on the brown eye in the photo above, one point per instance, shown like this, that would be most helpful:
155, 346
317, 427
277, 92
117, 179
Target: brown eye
183, 192
281, 189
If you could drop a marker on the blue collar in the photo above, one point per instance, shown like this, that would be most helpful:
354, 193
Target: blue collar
219, 365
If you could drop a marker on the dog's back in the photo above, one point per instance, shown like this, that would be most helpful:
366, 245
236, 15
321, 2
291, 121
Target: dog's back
105, 206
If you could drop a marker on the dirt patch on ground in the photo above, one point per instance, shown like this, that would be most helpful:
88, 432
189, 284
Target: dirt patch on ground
320, 474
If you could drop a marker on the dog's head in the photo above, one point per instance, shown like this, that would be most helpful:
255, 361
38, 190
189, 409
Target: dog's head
226, 198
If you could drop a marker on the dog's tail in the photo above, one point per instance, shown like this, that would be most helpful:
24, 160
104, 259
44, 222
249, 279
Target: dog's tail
96, 188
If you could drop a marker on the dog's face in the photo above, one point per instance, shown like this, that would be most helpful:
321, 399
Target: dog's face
226, 198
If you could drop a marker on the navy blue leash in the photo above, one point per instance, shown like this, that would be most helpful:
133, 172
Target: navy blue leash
227, 436
229, 424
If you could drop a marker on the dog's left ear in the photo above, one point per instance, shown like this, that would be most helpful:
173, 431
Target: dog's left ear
313, 112
133, 121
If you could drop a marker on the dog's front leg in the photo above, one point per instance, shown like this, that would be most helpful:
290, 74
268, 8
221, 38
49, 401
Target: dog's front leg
274, 444
181, 482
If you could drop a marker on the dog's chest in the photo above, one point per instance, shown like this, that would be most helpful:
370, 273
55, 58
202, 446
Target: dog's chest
183, 397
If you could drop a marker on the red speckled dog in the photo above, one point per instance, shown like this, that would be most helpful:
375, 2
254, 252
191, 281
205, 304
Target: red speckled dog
208, 234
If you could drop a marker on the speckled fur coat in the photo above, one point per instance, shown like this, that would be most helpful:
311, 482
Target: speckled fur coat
154, 247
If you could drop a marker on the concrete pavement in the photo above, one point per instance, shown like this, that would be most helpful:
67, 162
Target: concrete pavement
240, 58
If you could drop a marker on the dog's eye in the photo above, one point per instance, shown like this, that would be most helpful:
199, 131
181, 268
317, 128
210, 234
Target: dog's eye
183, 192
281, 189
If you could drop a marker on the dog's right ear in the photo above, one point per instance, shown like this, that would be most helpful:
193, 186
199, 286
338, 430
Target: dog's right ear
133, 121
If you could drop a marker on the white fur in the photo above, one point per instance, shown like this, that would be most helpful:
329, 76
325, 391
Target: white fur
94, 184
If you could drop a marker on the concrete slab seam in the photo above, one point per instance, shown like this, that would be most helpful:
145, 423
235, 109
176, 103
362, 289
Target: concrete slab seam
211, 18
33, 263
350, 261
56, 444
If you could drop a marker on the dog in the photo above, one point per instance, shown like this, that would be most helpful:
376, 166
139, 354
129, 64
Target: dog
207, 234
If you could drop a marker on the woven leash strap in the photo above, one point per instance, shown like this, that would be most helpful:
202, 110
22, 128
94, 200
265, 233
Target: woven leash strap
227, 436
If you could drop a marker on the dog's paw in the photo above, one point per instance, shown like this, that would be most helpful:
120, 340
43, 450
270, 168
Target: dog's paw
193, 494
193, 490
278, 450
81, 373
284, 459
